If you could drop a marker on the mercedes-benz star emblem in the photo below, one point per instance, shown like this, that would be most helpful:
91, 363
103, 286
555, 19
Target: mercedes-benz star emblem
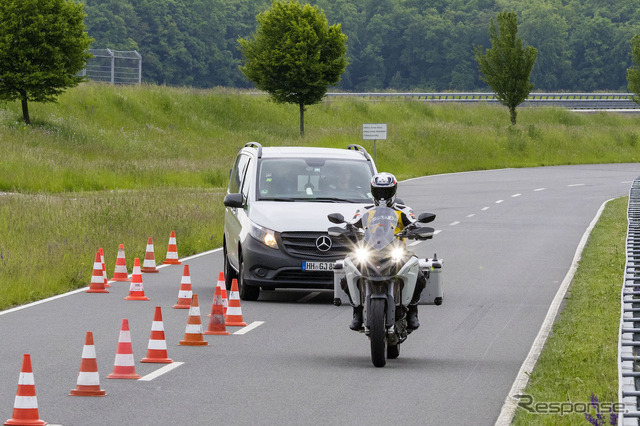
323, 243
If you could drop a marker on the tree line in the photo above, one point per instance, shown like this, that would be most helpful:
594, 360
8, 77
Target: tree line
583, 45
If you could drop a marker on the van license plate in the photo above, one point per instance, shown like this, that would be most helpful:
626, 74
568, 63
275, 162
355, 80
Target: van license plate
317, 266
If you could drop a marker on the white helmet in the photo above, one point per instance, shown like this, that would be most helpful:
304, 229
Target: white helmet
383, 189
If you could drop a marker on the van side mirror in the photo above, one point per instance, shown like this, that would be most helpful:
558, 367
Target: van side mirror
234, 200
336, 218
426, 217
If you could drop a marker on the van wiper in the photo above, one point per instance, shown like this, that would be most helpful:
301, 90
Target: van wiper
332, 199
282, 199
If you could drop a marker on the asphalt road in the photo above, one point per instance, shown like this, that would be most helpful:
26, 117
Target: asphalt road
507, 237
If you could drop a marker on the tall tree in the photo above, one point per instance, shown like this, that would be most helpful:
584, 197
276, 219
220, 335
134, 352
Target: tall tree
294, 55
506, 66
43, 46
633, 73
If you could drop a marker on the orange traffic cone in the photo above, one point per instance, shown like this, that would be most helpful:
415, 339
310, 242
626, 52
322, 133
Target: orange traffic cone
123, 366
136, 289
157, 348
88, 379
25, 407
193, 335
172, 251
120, 271
234, 311
223, 292
185, 294
216, 323
97, 280
104, 269
149, 264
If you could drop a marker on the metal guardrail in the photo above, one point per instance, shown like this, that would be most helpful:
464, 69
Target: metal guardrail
629, 341
577, 100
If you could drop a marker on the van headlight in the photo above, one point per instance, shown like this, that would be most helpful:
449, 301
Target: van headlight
265, 235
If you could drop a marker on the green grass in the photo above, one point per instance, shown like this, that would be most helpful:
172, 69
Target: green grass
101, 137
163, 150
580, 357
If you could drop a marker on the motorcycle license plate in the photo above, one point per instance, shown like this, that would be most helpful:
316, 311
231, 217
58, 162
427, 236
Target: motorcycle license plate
317, 266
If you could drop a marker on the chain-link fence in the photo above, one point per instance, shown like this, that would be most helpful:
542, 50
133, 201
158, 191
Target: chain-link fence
114, 66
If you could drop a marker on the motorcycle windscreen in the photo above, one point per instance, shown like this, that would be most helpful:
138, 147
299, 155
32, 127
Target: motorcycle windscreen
379, 227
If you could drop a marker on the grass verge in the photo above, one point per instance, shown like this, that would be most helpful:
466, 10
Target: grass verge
580, 357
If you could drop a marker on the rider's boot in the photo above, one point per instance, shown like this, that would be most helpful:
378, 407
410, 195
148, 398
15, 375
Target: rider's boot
412, 317
356, 323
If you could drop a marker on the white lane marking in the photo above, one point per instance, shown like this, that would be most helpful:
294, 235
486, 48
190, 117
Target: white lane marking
248, 328
454, 223
471, 215
510, 403
515, 195
309, 297
576, 184
539, 189
415, 243
437, 231
499, 201
485, 209
160, 371
80, 290
627, 181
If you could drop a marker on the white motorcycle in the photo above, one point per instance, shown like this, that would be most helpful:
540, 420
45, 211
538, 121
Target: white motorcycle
381, 274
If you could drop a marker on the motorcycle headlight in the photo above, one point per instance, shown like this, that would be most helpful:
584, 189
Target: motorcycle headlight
265, 235
397, 254
362, 254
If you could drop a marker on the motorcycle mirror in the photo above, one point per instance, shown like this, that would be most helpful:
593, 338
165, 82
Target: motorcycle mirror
336, 231
336, 218
234, 200
426, 217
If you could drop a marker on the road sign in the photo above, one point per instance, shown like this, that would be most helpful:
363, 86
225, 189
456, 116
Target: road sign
374, 132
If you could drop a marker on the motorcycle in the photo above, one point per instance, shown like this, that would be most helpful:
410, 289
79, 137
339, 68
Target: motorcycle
381, 274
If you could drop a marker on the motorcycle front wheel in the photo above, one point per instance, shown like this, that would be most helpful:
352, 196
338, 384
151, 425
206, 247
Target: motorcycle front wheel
378, 333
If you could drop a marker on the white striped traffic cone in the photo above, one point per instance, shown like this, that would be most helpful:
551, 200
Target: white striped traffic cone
136, 289
172, 251
234, 311
223, 291
88, 379
216, 323
97, 279
120, 271
124, 366
193, 334
149, 263
157, 348
25, 407
104, 269
185, 294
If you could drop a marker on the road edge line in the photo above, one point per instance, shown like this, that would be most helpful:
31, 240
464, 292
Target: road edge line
510, 404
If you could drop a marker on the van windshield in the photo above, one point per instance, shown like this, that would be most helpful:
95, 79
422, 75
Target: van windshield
314, 179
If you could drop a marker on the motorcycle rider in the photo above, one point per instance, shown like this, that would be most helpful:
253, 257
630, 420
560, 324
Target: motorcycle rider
383, 189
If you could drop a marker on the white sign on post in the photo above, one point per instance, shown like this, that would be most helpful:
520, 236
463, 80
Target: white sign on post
374, 132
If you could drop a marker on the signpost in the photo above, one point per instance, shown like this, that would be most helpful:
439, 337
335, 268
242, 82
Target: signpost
374, 132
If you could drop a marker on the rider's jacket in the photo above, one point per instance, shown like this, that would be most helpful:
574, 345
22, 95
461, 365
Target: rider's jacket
404, 213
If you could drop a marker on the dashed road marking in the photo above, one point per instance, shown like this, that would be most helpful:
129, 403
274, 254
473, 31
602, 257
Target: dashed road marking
471, 215
499, 201
485, 209
576, 184
415, 243
160, 371
539, 189
437, 231
454, 223
250, 327
515, 195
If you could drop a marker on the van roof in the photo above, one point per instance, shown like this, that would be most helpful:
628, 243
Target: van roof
298, 152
